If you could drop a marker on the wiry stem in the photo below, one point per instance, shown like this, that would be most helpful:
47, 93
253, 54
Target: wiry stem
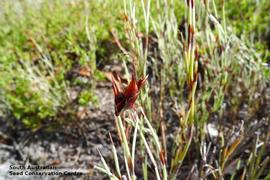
191, 67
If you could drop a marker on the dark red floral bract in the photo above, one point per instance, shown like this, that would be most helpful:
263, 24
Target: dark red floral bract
126, 99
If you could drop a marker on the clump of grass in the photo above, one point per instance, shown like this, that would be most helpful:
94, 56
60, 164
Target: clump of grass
149, 142
41, 45
201, 67
33, 93
229, 66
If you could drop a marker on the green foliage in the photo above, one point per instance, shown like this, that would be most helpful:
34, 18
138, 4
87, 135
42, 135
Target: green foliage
33, 93
251, 19
40, 44
86, 97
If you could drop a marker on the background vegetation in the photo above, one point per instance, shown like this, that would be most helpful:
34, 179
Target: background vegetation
208, 68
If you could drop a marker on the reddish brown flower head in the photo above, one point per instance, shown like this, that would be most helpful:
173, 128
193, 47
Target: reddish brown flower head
126, 99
